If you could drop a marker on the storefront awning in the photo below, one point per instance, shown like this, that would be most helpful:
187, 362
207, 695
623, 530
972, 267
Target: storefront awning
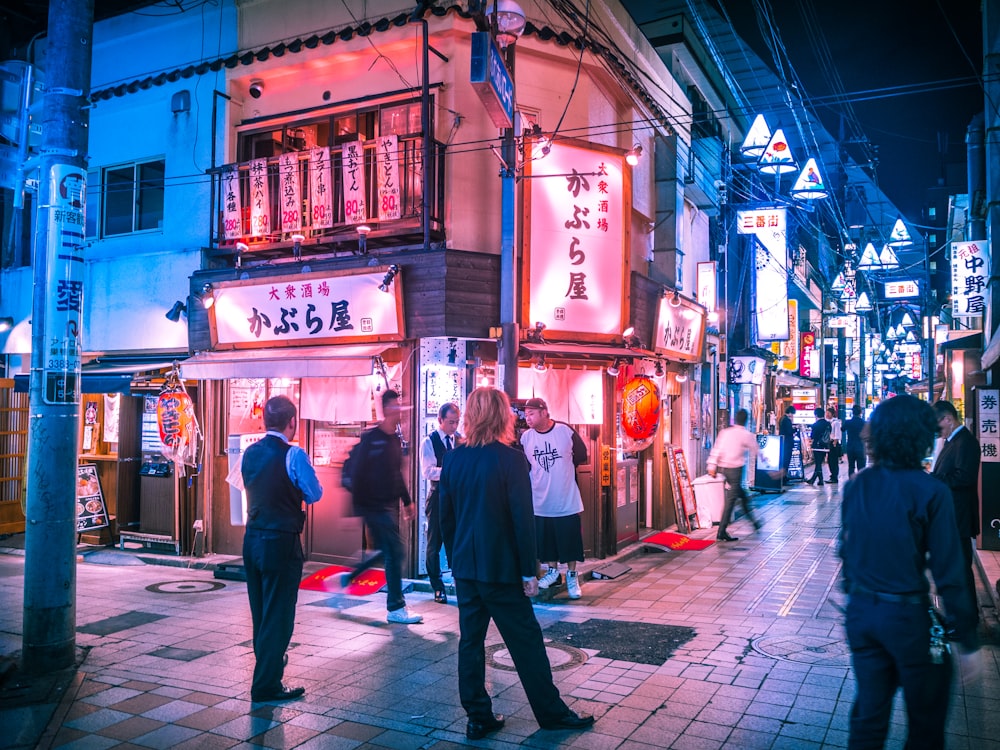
584, 351
969, 341
109, 375
794, 381
299, 362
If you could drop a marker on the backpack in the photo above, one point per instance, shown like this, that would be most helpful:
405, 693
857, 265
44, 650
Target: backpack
822, 440
353, 464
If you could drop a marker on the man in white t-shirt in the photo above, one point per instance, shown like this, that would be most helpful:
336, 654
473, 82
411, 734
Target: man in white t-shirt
554, 450
729, 456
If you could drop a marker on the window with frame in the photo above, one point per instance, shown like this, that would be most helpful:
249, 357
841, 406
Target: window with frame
129, 199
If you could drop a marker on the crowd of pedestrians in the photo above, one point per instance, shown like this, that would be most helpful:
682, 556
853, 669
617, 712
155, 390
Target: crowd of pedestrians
508, 514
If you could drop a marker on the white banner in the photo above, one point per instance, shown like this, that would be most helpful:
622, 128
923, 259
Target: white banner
307, 309
232, 204
387, 169
970, 271
355, 211
260, 199
900, 289
788, 351
768, 226
290, 191
320, 188
578, 255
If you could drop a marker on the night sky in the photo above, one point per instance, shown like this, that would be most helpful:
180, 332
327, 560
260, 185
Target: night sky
877, 45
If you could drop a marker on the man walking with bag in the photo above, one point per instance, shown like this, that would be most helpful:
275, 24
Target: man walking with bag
819, 436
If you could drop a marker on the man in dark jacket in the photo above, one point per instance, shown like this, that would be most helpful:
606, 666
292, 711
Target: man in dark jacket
957, 465
488, 528
378, 488
819, 436
854, 442
786, 428
277, 478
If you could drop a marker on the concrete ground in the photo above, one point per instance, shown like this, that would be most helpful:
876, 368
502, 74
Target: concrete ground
740, 645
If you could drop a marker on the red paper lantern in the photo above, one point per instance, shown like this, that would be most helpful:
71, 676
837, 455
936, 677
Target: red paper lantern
640, 408
178, 429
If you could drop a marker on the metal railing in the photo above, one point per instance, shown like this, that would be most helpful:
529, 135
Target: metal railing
411, 186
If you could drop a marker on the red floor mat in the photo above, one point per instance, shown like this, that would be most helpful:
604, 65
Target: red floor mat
677, 542
328, 579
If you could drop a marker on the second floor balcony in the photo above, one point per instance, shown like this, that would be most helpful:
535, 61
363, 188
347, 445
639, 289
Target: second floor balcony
324, 197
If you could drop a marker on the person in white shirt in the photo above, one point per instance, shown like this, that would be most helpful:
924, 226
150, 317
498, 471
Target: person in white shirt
554, 450
435, 445
836, 451
729, 455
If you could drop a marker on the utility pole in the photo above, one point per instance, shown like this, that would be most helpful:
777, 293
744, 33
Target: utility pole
49, 640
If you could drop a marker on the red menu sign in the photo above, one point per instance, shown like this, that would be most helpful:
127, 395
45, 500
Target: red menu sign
808, 343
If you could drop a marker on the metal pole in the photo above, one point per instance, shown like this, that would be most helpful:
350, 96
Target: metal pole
507, 354
49, 617
425, 117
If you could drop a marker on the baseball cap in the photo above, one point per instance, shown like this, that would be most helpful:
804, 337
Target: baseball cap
535, 403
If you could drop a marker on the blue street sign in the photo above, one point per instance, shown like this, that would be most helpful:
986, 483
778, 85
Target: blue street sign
491, 80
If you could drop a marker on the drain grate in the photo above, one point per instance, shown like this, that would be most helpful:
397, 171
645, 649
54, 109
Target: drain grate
560, 656
184, 587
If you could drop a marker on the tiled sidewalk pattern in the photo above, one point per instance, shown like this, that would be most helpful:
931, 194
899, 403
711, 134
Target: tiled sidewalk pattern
767, 667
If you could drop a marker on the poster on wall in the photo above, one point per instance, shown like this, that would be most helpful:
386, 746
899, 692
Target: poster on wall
91, 512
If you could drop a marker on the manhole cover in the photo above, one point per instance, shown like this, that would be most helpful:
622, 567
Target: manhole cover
804, 649
560, 657
185, 587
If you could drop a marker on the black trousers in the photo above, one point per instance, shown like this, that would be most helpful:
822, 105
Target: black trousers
433, 557
510, 609
819, 458
273, 563
856, 461
833, 461
734, 491
890, 644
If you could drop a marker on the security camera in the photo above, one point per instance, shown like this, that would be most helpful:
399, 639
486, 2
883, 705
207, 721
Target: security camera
256, 88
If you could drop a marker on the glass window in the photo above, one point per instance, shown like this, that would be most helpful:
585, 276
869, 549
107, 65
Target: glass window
132, 198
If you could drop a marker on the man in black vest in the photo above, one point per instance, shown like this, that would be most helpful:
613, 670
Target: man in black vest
278, 478
435, 445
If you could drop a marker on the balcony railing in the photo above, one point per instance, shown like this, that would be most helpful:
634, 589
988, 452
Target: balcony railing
274, 233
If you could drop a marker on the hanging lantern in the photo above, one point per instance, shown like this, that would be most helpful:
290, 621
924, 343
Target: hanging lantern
179, 431
810, 184
777, 158
640, 412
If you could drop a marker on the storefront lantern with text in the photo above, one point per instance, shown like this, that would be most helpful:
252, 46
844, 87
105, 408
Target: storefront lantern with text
640, 413
179, 431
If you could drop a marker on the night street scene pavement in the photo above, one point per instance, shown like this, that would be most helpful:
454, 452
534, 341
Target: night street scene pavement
739, 645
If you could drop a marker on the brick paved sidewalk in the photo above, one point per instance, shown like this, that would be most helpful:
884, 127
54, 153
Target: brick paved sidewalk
737, 646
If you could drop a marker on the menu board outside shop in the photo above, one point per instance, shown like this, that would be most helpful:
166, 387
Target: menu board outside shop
91, 512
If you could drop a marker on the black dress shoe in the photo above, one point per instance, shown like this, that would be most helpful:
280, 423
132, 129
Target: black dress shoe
476, 730
571, 721
727, 538
284, 694
810, 482
440, 597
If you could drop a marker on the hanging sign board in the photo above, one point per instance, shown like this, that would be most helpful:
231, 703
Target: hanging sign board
260, 199
290, 192
307, 309
320, 188
901, 289
768, 228
987, 401
387, 167
491, 81
355, 210
680, 329
808, 339
178, 429
232, 204
970, 270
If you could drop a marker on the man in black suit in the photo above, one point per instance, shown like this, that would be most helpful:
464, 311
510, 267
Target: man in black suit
488, 528
957, 465
786, 428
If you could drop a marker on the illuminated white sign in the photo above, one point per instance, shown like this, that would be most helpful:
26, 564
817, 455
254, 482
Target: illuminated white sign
306, 309
387, 167
290, 193
260, 199
988, 403
320, 188
771, 261
577, 259
788, 351
680, 330
353, 167
707, 293
232, 210
746, 370
899, 289
970, 271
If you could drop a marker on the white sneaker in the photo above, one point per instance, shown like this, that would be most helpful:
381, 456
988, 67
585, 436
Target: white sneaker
402, 616
573, 585
549, 579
